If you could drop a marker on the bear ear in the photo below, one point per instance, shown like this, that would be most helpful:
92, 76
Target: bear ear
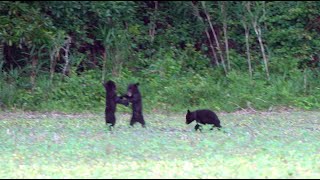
188, 111
137, 84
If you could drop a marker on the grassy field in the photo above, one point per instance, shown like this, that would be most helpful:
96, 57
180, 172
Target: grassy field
282, 144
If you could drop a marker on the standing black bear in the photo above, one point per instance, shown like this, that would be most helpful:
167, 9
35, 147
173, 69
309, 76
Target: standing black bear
111, 102
134, 96
203, 116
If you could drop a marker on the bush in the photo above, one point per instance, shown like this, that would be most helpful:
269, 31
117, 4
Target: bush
167, 84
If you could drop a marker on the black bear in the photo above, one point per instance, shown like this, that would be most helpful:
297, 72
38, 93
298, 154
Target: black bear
203, 116
111, 102
134, 96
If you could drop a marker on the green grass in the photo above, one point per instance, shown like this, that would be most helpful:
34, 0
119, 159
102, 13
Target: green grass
256, 145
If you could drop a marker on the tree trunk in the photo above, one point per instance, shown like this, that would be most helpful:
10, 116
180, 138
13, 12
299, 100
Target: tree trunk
305, 81
152, 30
33, 71
53, 62
225, 28
215, 37
246, 29
257, 30
66, 68
207, 33
265, 59
104, 57
212, 48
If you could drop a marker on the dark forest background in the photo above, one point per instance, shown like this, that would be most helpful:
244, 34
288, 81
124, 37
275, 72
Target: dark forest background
226, 56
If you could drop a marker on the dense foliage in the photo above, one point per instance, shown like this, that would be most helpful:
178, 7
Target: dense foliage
219, 55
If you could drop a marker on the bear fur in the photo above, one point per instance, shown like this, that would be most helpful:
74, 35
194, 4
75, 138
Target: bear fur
134, 96
203, 116
111, 102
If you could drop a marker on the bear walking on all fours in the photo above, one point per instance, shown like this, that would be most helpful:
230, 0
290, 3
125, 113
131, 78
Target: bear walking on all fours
111, 102
203, 116
134, 96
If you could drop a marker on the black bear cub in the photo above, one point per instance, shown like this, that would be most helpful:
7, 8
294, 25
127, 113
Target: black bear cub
203, 116
134, 96
111, 102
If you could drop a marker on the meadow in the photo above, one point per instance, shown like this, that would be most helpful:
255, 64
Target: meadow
279, 144
257, 64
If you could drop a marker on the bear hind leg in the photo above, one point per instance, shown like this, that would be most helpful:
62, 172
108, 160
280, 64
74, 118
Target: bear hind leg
198, 126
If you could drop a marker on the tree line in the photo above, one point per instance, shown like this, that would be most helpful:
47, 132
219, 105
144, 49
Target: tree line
256, 37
